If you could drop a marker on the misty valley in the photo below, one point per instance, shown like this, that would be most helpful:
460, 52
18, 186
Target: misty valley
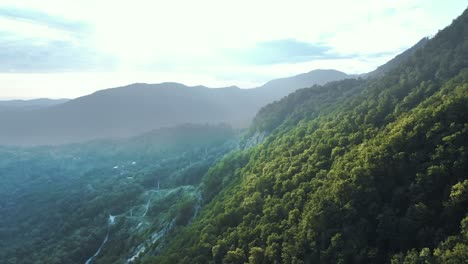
128, 193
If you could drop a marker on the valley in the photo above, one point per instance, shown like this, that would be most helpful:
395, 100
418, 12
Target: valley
116, 190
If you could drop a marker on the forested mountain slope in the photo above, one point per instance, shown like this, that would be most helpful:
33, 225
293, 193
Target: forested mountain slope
357, 171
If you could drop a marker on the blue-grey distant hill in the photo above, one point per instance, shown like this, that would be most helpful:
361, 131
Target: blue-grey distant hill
18, 105
137, 108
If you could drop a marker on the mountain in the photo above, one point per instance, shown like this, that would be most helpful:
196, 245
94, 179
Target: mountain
319, 77
393, 63
15, 105
127, 111
356, 171
138, 108
278, 88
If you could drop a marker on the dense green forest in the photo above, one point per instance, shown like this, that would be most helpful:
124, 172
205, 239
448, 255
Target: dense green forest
58, 203
357, 171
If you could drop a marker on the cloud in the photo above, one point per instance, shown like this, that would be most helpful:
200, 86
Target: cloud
32, 41
23, 55
292, 51
283, 51
37, 17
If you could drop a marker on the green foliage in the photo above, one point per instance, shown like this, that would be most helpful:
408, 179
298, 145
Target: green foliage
357, 171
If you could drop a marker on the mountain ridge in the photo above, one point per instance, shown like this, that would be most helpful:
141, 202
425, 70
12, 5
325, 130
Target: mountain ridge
393, 63
136, 108
31, 104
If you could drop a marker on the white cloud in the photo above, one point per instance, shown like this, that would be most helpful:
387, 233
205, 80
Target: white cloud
25, 29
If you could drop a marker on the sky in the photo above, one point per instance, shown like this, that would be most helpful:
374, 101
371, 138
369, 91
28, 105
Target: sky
67, 49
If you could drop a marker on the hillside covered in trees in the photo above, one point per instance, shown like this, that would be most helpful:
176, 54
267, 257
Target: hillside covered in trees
356, 171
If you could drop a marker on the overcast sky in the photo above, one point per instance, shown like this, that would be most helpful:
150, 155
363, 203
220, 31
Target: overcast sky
66, 49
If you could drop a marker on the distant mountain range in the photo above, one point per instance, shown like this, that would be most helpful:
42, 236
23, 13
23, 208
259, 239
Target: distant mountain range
138, 108
278, 88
